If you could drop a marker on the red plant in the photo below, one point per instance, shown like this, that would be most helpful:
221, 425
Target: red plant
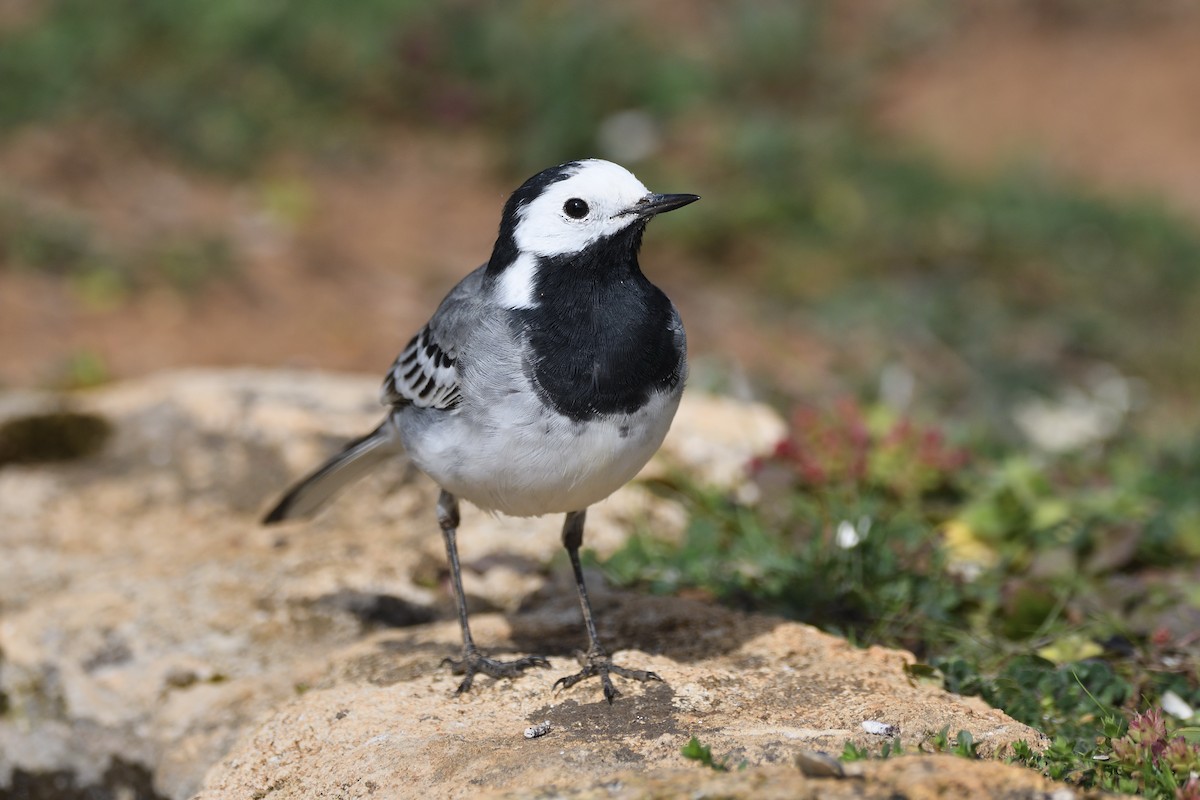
837, 448
1147, 742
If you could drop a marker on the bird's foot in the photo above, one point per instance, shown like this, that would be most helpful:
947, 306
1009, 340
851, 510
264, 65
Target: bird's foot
474, 663
596, 662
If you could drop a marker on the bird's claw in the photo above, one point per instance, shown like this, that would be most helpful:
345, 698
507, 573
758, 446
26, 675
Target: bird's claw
598, 663
474, 663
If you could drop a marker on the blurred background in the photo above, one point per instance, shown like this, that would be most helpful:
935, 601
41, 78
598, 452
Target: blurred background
963, 240
969, 208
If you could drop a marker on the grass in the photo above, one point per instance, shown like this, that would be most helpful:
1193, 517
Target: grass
218, 84
694, 750
225, 84
1027, 281
963, 745
1141, 758
1056, 588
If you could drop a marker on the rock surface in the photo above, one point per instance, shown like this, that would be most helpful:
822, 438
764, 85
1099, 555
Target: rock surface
152, 634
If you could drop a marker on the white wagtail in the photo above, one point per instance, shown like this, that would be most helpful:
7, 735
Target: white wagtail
545, 380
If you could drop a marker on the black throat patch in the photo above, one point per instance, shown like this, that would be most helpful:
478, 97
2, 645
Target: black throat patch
603, 337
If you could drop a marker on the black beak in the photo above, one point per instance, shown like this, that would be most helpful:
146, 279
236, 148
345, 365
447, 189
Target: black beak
653, 204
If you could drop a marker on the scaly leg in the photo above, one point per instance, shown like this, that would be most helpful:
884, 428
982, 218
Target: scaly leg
472, 662
596, 661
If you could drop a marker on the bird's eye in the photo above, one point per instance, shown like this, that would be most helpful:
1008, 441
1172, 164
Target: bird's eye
575, 208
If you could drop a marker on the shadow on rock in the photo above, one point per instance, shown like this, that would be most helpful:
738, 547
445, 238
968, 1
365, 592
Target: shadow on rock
680, 629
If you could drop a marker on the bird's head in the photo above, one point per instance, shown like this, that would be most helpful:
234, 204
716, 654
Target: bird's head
569, 210
565, 209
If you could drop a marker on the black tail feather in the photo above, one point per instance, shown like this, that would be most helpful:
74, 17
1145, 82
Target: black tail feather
357, 459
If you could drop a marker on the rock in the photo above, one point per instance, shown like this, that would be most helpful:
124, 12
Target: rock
153, 632
912, 778
382, 722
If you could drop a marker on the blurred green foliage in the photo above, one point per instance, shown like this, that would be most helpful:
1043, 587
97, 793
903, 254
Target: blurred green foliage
220, 83
1019, 274
694, 750
226, 83
1057, 588
756, 105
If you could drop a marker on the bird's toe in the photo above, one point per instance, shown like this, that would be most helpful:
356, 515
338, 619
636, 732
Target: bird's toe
475, 663
599, 664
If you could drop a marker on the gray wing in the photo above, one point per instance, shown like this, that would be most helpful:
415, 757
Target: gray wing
426, 373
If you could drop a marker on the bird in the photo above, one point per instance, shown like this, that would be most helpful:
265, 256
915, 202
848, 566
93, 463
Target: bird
544, 381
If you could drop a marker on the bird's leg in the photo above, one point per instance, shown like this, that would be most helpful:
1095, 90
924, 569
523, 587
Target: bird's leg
472, 662
596, 660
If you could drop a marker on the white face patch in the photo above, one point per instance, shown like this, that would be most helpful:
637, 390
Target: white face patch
546, 228
514, 289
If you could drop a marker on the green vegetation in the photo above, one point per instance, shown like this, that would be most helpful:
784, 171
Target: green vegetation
963, 745
702, 753
885, 247
225, 84
1147, 759
755, 107
1058, 589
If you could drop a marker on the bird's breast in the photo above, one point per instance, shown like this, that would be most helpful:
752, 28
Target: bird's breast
520, 457
603, 352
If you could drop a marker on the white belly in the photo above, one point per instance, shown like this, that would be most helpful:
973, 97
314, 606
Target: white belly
518, 458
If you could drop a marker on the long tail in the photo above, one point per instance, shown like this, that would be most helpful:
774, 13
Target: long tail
360, 457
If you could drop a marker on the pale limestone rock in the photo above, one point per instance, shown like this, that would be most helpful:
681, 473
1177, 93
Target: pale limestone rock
145, 615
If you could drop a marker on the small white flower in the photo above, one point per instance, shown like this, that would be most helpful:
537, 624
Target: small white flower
966, 571
897, 385
1079, 416
1176, 706
847, 535
852, 534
